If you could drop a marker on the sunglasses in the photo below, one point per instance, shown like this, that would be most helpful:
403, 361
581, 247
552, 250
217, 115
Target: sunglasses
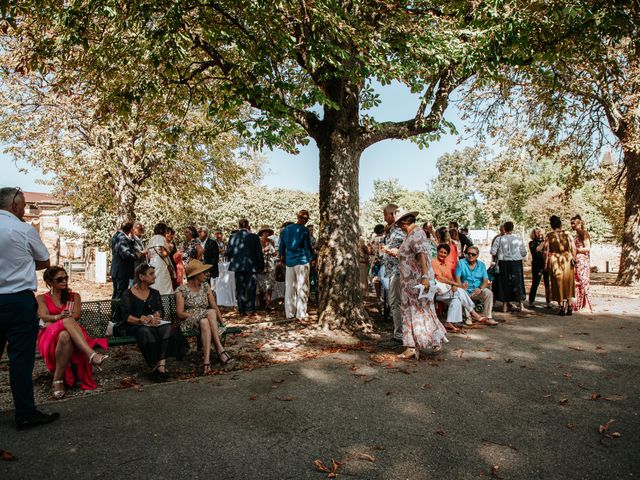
472, 254
15, 195
61, 279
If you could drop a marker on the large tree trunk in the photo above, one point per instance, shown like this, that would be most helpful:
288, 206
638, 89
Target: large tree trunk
127, 197
629, 273
340, 299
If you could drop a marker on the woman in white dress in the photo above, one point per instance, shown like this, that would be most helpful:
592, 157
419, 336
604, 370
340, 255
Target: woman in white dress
159, 259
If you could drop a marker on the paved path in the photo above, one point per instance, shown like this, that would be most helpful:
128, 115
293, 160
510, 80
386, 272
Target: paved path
516, 398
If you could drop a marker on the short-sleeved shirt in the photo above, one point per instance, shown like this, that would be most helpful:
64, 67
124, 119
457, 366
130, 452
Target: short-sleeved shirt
20, 248
473, 277
441, 270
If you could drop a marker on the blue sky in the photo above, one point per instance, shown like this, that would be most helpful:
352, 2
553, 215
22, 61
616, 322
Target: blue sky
389, 159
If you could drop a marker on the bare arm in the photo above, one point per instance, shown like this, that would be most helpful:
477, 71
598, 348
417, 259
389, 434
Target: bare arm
213, 304
42, 264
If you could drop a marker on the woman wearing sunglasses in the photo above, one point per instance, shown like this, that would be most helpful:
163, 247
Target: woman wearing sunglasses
62, 342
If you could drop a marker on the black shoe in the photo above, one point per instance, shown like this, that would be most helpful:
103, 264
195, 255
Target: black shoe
569, 310
36, 419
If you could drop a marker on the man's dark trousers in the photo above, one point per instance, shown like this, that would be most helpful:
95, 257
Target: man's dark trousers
120, 285
246, 291
19, 326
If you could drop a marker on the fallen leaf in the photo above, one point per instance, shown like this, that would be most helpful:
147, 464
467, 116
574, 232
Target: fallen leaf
570, 426
441, 432
563, 401
7, 456
605, 426
365, 456
567, 375
253, 397
577, 349
286, 398
613, 398
494, 471
616, 435
426, 386
595, 396
320, 466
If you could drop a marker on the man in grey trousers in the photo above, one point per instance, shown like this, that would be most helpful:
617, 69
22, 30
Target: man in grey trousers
392, 240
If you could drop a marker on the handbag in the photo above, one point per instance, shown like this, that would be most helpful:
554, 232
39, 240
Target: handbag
281, 272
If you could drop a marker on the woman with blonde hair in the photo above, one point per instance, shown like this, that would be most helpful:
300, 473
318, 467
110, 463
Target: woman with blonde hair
560, 265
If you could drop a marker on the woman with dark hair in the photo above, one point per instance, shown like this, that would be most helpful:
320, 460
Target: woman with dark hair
583, 265
452, 258
141, 309
192, 247
159, 259
537, 247
560, 265
63, 343
420, 325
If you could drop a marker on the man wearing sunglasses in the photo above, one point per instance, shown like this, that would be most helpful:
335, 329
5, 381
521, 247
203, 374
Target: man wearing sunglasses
473, 273
21, 254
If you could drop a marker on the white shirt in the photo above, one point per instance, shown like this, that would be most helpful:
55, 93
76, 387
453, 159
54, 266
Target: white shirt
20, 247
509, 247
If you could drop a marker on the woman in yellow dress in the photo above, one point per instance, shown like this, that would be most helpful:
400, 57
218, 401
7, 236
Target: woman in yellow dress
560, 265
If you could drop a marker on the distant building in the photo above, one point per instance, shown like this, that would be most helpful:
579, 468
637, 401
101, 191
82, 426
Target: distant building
59, 232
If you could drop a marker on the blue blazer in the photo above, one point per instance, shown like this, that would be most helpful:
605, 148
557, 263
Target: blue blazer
245, 252
123, 256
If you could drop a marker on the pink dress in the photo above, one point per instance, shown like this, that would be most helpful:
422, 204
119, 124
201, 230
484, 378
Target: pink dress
583, 282
48, 340
420, 325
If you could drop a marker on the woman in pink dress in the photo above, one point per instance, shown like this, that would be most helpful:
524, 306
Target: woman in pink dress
420, 325
582, 269
63, 343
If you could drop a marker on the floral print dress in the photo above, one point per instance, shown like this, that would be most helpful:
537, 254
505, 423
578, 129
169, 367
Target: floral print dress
196, 303
583, 283
420, 325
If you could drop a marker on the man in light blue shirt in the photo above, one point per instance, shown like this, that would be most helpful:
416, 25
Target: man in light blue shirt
295, 250
21, 254
473, 273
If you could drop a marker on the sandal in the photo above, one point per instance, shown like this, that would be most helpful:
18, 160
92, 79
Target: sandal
206, 368
487, 321
226, 359
450, 328
410, 353
97, 364
58, 394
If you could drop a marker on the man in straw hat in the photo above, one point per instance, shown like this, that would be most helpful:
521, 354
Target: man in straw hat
246, 260
295, 249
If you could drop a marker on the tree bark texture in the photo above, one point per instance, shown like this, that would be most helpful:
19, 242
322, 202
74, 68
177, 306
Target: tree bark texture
629, 273
339, 296
127, 197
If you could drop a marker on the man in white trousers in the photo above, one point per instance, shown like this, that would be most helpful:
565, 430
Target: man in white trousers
295, 250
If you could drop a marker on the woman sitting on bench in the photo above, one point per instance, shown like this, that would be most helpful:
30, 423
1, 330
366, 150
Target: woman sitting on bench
141, 308
62, 342
197, 309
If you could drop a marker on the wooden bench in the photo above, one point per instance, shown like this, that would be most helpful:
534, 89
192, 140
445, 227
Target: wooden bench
96, 315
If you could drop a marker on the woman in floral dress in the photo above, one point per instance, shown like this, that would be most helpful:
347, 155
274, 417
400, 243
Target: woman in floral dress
266, 279
197, 310
420, 324
192, 247
583, 266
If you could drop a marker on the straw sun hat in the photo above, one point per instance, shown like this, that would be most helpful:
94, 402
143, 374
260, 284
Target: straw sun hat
194, 267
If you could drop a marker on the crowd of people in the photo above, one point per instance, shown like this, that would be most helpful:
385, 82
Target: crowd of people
423, 271
420, 271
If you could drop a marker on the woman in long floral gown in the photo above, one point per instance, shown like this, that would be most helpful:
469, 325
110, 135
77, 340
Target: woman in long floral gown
583, 266
420, 325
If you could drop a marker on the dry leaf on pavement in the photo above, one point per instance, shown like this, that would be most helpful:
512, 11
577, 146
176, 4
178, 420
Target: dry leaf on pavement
7, 456
605, 426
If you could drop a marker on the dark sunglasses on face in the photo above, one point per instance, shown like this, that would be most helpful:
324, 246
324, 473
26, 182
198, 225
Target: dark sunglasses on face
61, 279
470, 254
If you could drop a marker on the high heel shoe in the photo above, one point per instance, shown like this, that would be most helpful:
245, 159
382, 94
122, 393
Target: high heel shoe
410, 352
569, 310
58, 394
97, 364
225, 358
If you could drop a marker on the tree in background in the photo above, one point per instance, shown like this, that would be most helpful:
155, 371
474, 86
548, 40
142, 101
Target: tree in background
576, 100
390, 191
306, 69
106, 161
452, 194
